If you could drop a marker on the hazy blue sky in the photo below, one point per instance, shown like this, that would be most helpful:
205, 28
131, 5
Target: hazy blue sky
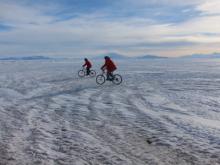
89, 27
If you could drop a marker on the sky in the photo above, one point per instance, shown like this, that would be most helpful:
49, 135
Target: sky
78, 28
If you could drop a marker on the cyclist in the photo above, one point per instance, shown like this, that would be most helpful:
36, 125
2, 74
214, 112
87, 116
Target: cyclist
110, 67
88, 66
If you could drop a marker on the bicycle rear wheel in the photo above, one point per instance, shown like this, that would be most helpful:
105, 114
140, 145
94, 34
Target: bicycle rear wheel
92, 73
100, 79
117, 79
81, 73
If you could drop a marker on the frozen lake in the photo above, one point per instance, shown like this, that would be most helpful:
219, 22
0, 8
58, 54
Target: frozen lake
165, 112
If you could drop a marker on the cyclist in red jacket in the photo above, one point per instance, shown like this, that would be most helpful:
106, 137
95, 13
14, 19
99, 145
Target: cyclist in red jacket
110, 67
88, 66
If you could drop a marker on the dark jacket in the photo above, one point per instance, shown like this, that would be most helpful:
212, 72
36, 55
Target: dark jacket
109, 65
87, 64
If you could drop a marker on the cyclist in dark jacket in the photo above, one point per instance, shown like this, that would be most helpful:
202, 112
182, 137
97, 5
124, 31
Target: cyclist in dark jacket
88, 66
110, 67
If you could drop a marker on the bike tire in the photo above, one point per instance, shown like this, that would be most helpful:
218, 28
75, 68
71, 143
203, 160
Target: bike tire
81, 73
100, 79
117, 79
92, 73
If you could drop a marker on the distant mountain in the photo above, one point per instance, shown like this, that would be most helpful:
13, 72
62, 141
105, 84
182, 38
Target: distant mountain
25, 58
119, 56
151, 57
112, 55
213, 55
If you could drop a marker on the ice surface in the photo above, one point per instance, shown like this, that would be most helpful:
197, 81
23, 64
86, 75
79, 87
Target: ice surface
165, 112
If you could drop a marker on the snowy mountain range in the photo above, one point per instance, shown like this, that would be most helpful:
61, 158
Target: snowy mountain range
114, 56
25, 58
213, 55
119, 56
151, 57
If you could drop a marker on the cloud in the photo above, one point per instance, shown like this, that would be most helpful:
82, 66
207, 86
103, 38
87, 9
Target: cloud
210, 7
131, 27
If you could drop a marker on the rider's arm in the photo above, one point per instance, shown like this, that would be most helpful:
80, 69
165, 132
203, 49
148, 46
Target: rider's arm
103, 67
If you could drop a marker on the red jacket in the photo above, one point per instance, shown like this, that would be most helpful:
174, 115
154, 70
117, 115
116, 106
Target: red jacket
109, 65
87, 64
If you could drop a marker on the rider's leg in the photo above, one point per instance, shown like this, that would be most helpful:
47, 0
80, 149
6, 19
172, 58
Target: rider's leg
109, 76
87, 71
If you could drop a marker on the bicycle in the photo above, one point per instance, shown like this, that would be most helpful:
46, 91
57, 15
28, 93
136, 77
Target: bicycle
82, 73
101, 79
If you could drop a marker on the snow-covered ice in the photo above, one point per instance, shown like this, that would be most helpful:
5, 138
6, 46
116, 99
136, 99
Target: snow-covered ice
165, 112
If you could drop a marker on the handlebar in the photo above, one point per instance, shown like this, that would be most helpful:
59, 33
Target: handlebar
103, 71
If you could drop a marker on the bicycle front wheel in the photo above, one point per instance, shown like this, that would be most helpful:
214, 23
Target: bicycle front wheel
117, 79
100, 79
81, 73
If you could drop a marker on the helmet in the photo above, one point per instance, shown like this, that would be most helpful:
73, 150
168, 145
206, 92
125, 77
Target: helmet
85, 59
107, 57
